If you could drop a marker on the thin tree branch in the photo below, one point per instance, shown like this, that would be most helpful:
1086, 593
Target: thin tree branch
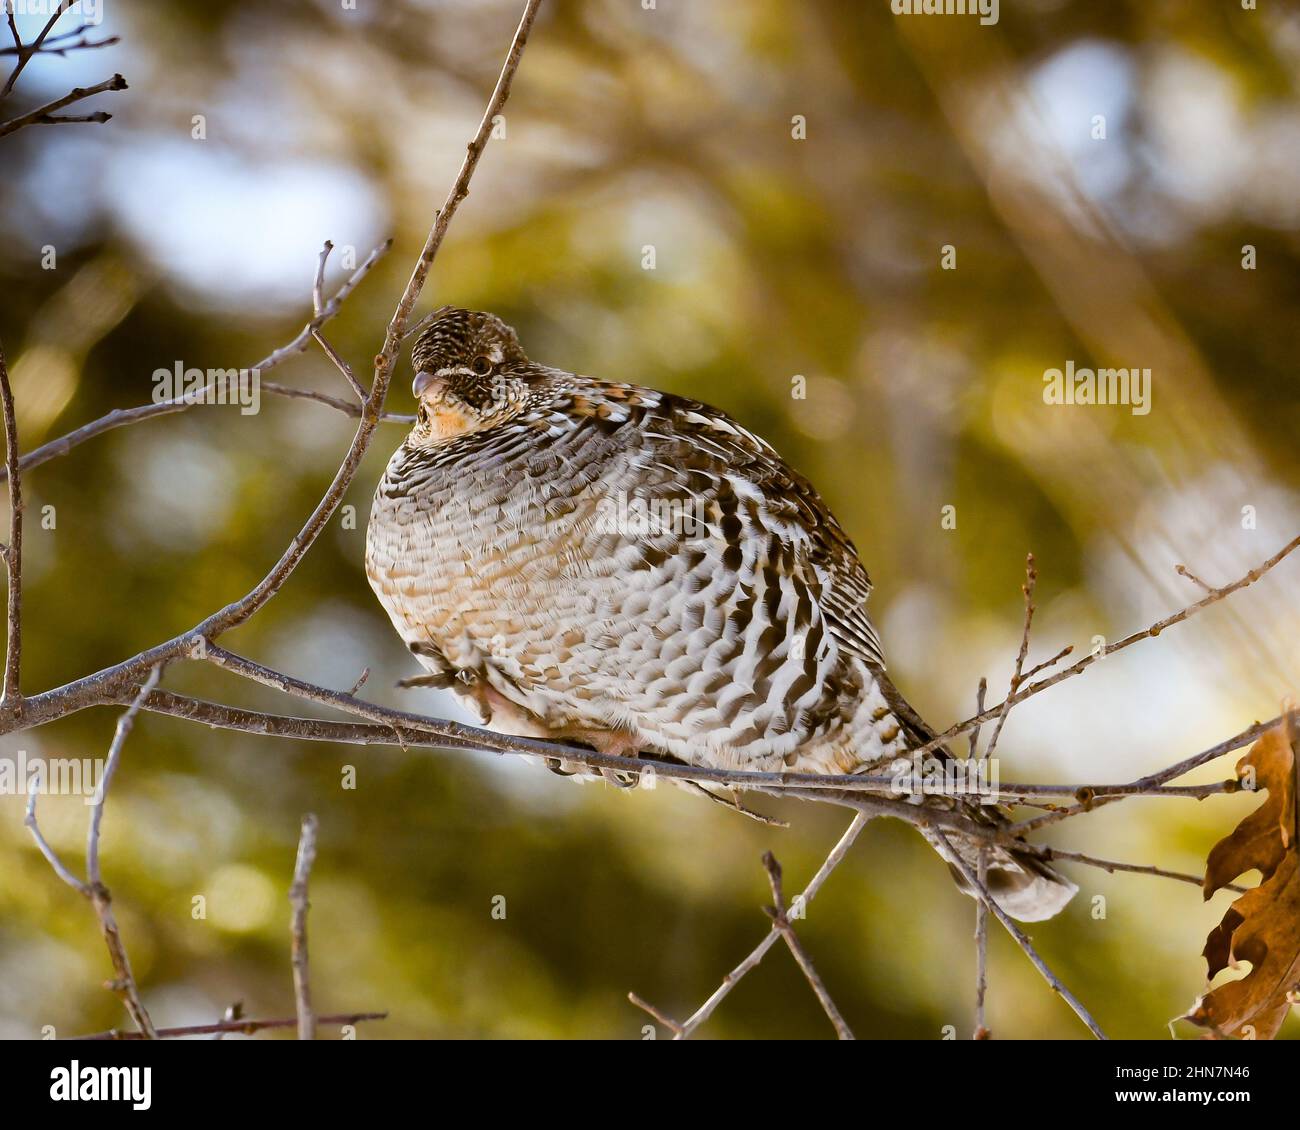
317, 301
99, 895
1019, 936
347, 407
407, 726
93, 888
96, 117
11, 697
45, 115
26, 55
980, 693
459, 190
341, 365
981, 949
1031, 580
1184, 571
13, 29
1021, 940
777, 913
1046, 663
298, 899
55, 44
1228, 745
1088, 660
667, 1021
1110, 865
239, 1027
1155, 780
104, 688
408, 729
51, 857
318, 287
120, 733
121, 417
732, 979
684, 1030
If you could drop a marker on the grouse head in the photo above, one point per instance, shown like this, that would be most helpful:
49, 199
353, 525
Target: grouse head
469, 374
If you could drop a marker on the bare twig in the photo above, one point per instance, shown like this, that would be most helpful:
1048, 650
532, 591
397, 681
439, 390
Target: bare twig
51, 857
95, 117
1112, 865
93, 888
1141, 786
102, 689
1046, 663
778, 915
347, 407
1088, 660
1031, 580
318, 287
239, 1027
419, 324
1184, 571
13, 29
11, 697
99, 895
340, 364
1228, 745
318, 306
667, 1021
45, 115
732, 979
1020, 939
121, 417
26, 55
980, 694
124, 985
981, 949
59, 44
459, 190
298, 899
123, 728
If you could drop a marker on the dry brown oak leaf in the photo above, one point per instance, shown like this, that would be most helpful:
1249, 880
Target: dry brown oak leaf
1263, 926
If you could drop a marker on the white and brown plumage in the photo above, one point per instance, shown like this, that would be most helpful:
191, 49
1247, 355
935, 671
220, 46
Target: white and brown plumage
606, 563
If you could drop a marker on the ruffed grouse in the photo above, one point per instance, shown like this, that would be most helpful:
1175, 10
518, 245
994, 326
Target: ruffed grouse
605, 563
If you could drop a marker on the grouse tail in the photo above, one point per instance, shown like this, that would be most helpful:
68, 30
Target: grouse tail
1023, 885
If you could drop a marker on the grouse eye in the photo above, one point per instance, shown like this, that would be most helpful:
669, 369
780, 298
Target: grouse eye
481, 365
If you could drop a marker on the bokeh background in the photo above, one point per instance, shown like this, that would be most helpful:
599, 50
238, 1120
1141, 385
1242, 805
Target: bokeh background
774, 256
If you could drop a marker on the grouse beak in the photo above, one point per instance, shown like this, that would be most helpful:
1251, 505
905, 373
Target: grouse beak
426, 382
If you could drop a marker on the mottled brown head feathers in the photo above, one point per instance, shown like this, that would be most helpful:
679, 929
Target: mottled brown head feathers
470, 374
473, 340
